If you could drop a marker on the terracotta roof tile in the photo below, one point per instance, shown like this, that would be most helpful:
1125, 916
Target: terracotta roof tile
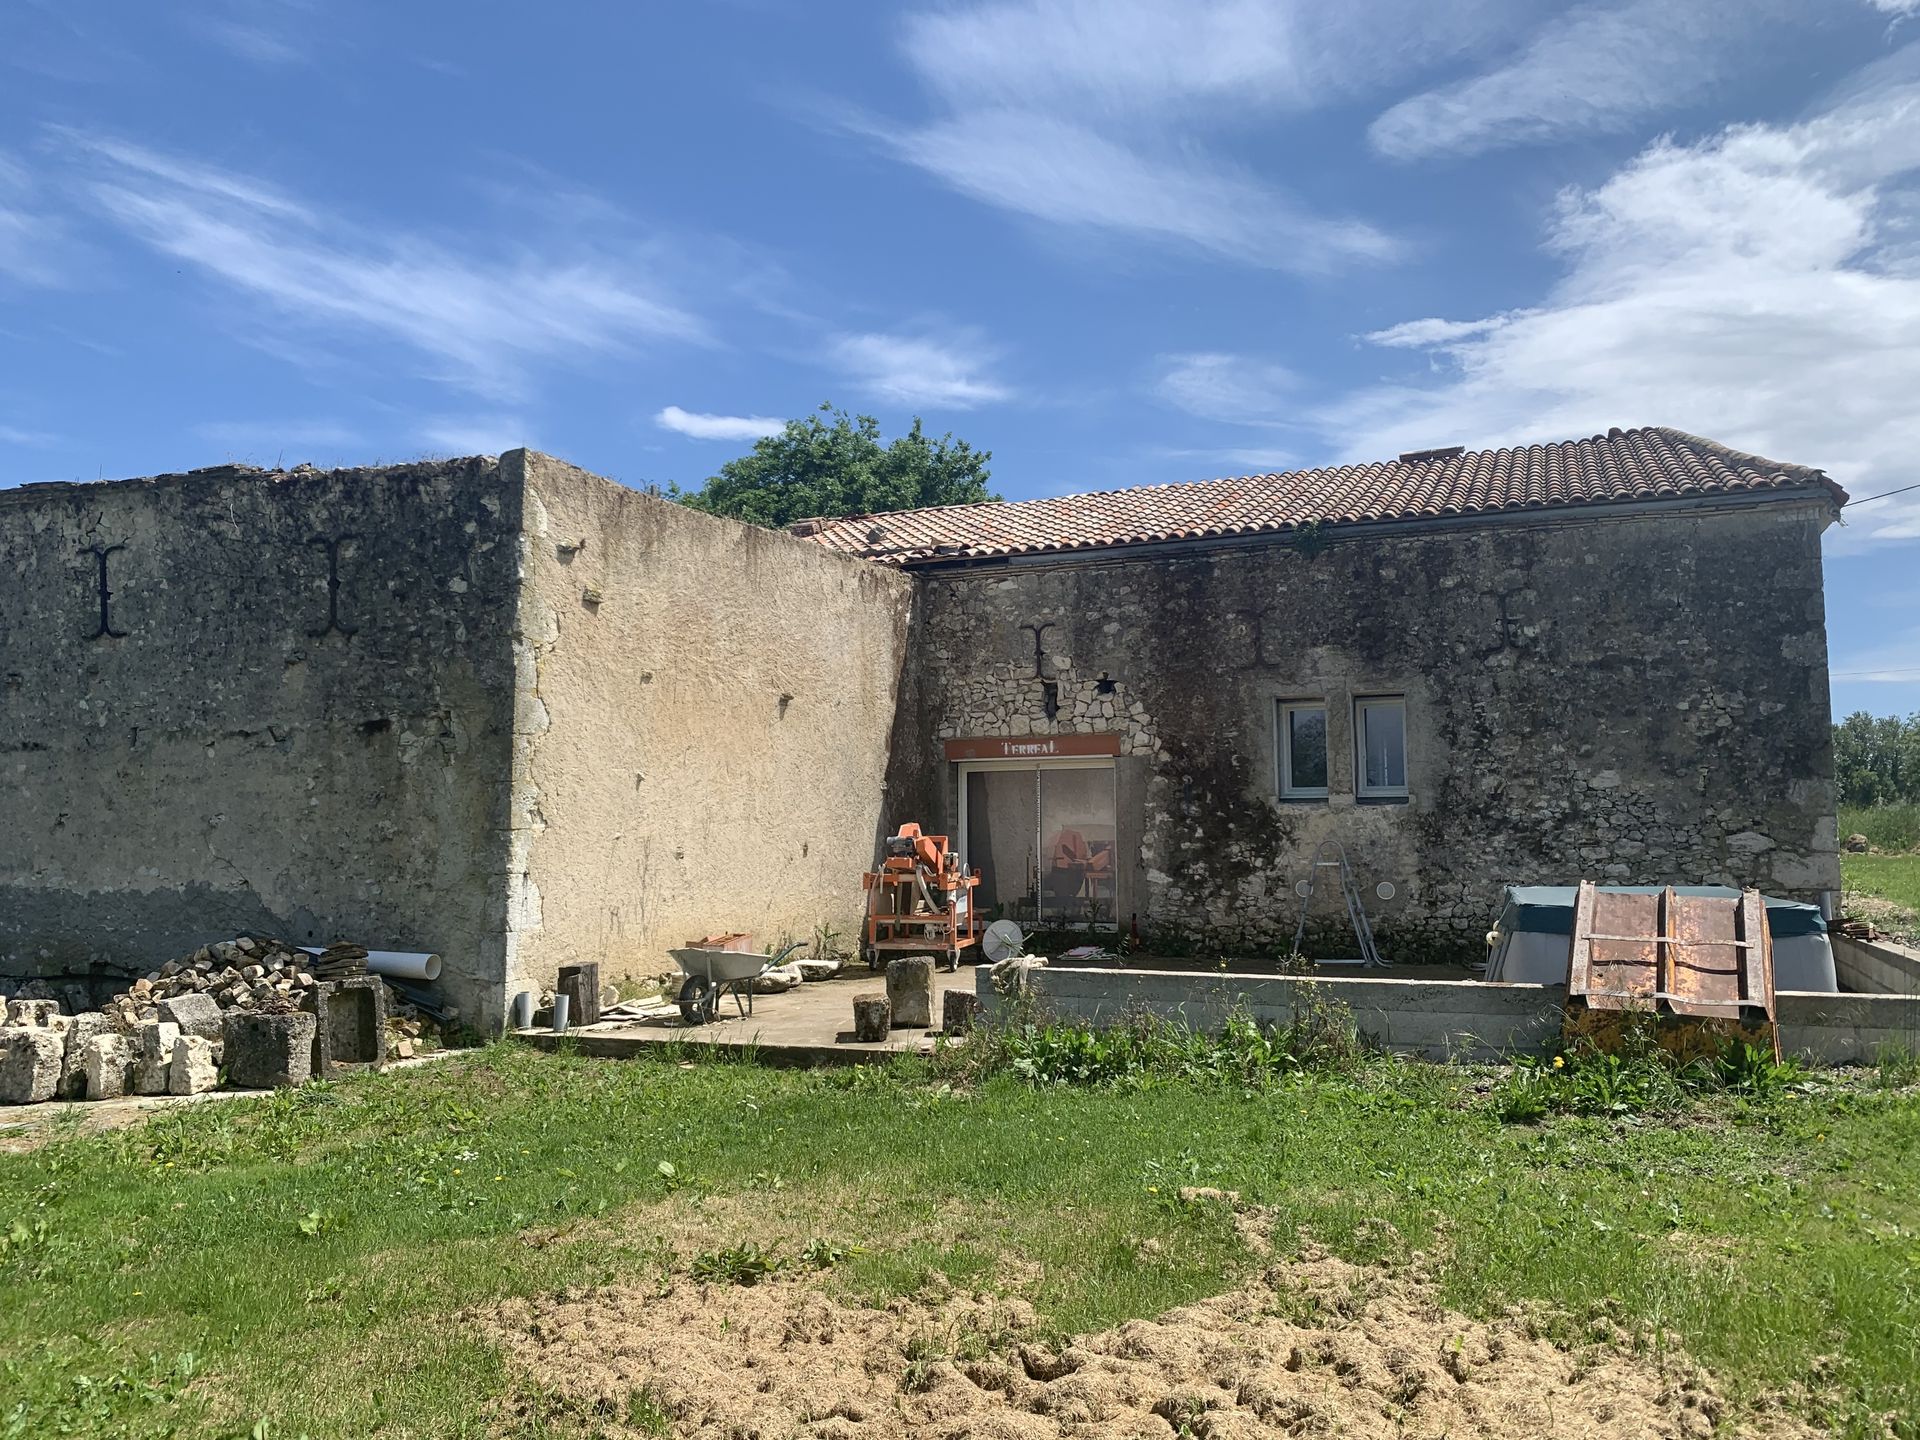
1621, 466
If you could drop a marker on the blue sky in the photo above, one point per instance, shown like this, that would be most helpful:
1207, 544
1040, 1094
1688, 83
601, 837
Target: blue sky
1112, 242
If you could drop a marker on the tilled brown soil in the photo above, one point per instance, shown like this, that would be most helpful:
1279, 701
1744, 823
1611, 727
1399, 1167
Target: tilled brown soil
1314, 1347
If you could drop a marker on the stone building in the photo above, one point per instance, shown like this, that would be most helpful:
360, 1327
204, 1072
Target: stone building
1605, 659
520, 715
499, 709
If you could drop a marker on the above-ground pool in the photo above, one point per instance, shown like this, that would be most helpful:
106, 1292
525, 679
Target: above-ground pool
1530, 941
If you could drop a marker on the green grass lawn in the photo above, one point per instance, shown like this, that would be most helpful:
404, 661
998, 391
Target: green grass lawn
299, 1264
1891, 880
1891, 877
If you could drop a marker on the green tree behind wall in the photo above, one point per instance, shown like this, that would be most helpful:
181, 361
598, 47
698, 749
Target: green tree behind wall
1876, 759
832, 463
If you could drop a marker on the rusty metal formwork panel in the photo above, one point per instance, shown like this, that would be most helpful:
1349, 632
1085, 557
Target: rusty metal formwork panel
1692, 955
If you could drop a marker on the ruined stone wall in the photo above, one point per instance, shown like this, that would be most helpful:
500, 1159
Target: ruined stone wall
289, 718
1627, 698
705, 711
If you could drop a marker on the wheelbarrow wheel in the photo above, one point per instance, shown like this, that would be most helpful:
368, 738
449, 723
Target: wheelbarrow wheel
699, 999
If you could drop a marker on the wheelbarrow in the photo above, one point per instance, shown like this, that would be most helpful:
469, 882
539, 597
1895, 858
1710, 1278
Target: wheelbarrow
714, 973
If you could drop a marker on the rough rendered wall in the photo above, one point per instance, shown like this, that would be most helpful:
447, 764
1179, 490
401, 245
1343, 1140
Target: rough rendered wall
704, 719
1633, 700
227, 760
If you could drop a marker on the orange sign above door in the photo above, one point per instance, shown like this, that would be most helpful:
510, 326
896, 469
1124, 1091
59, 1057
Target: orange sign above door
1032, 747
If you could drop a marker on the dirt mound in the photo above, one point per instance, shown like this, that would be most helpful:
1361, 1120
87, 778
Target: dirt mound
1314, 1348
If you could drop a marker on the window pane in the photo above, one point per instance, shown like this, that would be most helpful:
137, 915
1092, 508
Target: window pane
1307, 749
1077, 831
1001, 840
1385, 726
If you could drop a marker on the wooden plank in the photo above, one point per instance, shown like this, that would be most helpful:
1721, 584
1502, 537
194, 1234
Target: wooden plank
1580, 952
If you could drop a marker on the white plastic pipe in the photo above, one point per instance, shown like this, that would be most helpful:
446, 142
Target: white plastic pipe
401, 964
404, 964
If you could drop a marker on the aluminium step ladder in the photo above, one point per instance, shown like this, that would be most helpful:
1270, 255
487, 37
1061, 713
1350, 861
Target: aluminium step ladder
1332, 855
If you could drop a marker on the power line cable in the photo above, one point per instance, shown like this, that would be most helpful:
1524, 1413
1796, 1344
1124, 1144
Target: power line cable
1869, 499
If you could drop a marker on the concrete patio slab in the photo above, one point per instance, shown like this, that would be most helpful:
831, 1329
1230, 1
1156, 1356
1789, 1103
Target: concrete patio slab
812, 1025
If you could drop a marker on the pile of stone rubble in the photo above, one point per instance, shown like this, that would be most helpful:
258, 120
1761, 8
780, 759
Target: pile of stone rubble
241, 974
248, 1007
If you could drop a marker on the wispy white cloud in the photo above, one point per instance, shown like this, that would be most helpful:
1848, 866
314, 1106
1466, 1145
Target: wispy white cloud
1238, 459
1059, 171
261, 32
1754, 287
252, 42
1596, 68
1109, 115
474, 434
29, 235
273, 438
717, 427
1117, 58
1237, 389
14, 435
482, 321
949, 372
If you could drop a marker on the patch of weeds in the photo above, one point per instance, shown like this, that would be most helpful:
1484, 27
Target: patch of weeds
744, 1264
1143, 1049
327, 1291
923, 1353
1639, 1077
314, 1223
862, 1079
1896, 1067
822, 1254
646, 1414
66, 1392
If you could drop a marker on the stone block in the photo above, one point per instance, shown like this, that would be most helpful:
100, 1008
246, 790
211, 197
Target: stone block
350, 1024
31, 1012
195, 1014
109, 1065
194, 1067
267, 1052
582, 984
30, 1061
872, 1018
910, 991
958, 1010
778, 980
153, 1057
73, 1068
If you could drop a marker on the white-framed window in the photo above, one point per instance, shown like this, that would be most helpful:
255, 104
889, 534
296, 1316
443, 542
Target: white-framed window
1303, 749
1380, 747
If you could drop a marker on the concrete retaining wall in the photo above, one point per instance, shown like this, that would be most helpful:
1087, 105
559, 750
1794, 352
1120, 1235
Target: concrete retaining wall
1435, 1019
1847, 1029
1877, 967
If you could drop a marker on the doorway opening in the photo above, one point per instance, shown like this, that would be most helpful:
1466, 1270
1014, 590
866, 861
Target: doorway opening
1042, 838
